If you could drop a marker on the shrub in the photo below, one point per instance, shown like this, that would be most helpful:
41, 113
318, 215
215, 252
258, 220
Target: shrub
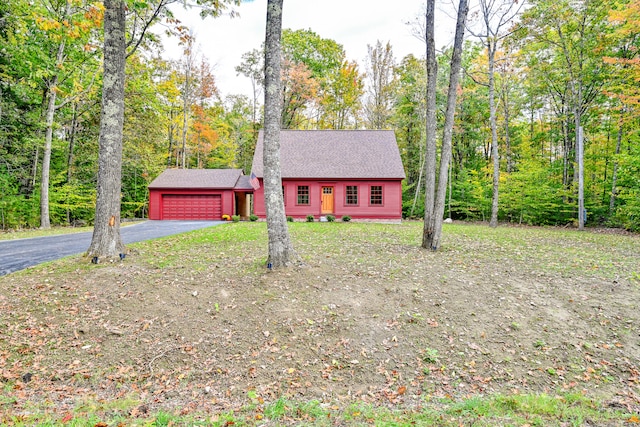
310, 218
235, 218
331, 218
346, 218
289, 219
253, 217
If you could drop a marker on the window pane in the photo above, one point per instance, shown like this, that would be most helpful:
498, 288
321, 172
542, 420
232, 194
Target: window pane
352, 195
303, 194
376, 195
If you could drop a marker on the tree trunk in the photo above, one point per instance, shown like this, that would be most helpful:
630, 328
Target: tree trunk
579, 144
185, 110
492, 45
568, 152
281, 252
72, 140
106, 240
417, 192
582, 213
507, 120
447, 135
46, 154
614, 178
430, 149
52, 91
532, 122
170, 135
34, 169
445, 157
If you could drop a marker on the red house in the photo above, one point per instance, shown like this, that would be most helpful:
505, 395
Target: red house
199, 194
357, 173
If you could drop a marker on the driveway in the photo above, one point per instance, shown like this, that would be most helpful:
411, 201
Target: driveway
22, 253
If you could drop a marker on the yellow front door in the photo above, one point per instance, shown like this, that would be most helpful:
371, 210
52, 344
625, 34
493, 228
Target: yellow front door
327, 200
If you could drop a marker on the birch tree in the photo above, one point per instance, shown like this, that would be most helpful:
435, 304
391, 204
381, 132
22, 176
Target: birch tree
435, 198
281, 252
431, 128
495, 15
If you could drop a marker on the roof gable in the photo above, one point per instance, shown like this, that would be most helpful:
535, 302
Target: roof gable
197, 178
351, 154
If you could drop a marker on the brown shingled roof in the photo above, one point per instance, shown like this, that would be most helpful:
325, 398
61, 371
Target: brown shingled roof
335, 154
197, 178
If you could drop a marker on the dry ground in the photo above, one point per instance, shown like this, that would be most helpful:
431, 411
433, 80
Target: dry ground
197, 323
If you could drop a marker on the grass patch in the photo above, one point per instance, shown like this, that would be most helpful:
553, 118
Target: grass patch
537, 410
512, 410
53, 231
36, 232
553, 250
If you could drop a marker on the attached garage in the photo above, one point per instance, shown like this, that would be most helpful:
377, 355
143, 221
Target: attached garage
199, 194
191, 206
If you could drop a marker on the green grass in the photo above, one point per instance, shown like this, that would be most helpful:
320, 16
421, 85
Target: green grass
552, 250
549, 249
36, 232
512, 410
53, 231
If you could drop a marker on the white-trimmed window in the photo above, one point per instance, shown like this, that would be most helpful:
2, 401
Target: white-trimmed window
303, 194
351, 195
375, 195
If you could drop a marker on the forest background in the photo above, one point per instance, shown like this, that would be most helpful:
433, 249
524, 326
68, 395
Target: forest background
50, 87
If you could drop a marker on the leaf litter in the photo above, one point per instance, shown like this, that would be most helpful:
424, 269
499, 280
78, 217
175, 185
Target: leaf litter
371, 317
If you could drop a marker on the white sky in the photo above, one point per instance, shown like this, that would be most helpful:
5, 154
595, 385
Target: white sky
352, 23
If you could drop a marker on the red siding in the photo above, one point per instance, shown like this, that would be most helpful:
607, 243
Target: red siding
390, 209
190, 204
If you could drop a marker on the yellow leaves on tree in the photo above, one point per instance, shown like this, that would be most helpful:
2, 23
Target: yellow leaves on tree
203, 137
95, 14
47, 24
73, 26
626, 64
627, 17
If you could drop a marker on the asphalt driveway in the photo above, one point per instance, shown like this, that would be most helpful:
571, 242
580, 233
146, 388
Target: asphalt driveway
22, 253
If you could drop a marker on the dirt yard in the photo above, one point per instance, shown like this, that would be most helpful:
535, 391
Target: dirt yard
197, 322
